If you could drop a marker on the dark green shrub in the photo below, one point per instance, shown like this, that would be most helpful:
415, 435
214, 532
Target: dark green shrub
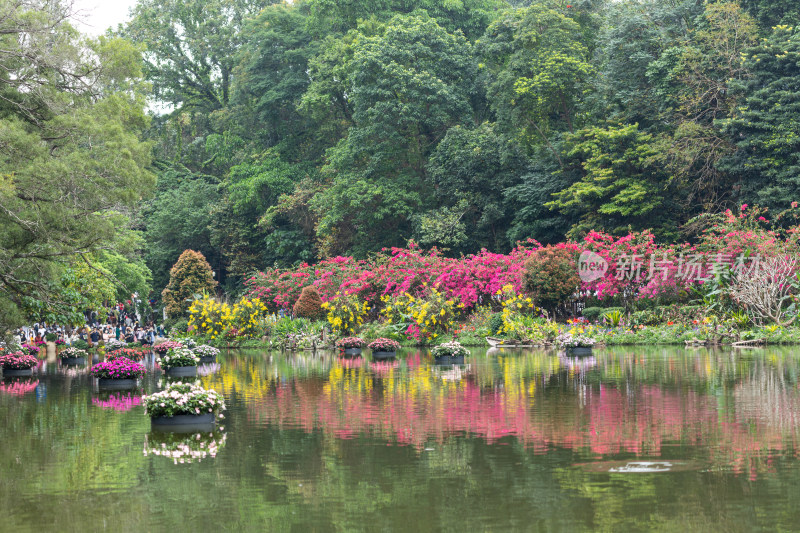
495, 323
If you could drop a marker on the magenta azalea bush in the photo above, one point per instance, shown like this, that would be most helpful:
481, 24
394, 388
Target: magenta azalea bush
119, 368
72, 352
183, 399
350, 342
384, 345
18, 361
164, 347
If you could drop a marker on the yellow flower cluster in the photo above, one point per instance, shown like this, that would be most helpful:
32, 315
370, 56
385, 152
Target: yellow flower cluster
345, 313
515, 306
212, 318
432, 315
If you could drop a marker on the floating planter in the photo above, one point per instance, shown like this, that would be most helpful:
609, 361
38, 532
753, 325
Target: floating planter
164, 347
18, 364
350, 345
183, 407
133, 354
206, 353
384, 348
576, 344
118, 374
179, 363
449, 353
115, 344
73, 356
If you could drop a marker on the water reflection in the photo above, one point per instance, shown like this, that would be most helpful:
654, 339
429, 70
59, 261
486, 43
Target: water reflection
731, 411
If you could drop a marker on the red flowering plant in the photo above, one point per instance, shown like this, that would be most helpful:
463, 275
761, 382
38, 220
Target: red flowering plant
18, 361
128, 353
118, 368
350, 343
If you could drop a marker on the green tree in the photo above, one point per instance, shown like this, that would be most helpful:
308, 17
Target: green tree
70, 116
190, 276
408, 87
765, 128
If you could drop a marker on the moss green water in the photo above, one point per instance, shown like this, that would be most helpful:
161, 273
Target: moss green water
629, 439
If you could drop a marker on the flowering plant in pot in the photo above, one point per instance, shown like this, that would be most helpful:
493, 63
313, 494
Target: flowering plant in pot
17, 364
60, 342
350, 343
128, 353
184, 399
384, 346
206, 353
178, 357
115, 344
452, 349
72, 353
164, 347
30, 349
119, 368
574, 340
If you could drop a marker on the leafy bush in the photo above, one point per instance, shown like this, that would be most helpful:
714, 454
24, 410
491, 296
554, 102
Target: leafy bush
496, 324
345, 313
309, 304
191, 275
551, 276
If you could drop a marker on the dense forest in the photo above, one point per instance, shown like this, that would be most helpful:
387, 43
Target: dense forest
269, 134
300, 131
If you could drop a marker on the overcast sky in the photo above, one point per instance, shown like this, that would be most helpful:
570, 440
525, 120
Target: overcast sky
95, 16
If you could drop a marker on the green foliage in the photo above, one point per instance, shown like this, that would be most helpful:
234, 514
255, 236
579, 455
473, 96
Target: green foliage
551, 276
496, 324
190, 276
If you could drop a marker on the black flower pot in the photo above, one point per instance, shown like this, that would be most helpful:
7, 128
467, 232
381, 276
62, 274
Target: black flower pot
380, 356
578, 351
352, 351
184, 423
206, 359
73, 360
17, 372
182, 371
449, 360
116, 384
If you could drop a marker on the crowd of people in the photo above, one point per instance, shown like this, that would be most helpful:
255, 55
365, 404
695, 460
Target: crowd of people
128, 330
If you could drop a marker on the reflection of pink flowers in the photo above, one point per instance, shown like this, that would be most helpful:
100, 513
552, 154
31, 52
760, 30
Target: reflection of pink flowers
118, 401
18, 388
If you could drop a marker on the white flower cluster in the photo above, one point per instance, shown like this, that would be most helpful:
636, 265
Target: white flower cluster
178, 357
204, 350
183, 399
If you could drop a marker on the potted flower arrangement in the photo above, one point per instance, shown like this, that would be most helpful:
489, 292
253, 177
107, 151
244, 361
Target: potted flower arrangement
115, 344
164, 347
183, 407
73, 356
575, 343
179, 362
128, 353
119, 373
30, 349
384, 348
17, 364
206, 353
450, 353
184, 448
350, 345
60, 345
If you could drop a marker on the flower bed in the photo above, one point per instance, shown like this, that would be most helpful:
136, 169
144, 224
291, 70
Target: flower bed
178, 357
68, 353
119, 368
164, 347
183, 399
384, 345
349, 343
18, 361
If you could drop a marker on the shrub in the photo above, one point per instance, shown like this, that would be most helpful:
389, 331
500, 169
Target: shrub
191, 275
309, 304
496, 324
345, 313
551, 276
427, 317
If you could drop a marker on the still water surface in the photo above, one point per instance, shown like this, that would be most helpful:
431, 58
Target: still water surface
630, 439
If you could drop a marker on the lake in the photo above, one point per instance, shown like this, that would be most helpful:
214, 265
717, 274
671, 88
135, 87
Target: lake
629, 439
